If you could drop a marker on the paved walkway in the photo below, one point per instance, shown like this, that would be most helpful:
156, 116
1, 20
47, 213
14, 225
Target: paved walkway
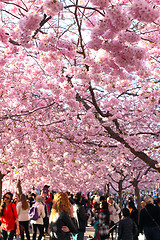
90, 232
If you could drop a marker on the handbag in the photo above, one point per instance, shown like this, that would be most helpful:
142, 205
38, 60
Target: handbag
21, 229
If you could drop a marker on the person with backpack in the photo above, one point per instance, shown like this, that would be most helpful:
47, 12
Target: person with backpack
9, 217
80, 214
36, 215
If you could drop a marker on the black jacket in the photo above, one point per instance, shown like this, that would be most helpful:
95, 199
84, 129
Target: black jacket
56, 227
82, 218
127, 229
146, 220
134, 215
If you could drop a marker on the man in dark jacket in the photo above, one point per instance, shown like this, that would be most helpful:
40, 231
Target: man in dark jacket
127, 228
81, 216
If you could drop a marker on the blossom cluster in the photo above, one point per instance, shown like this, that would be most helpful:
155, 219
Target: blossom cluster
30, 21
100, 3
24, 39
63, 47
48, 43
3, 35
128, 36
142, 11
114, 21
3, 60
118, 19
52, 7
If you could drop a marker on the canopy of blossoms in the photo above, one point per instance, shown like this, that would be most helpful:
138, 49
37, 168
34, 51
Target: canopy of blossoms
79, 91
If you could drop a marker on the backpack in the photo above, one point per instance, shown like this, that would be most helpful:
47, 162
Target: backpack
33, 213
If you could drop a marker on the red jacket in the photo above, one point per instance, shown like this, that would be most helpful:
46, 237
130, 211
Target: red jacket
8, 218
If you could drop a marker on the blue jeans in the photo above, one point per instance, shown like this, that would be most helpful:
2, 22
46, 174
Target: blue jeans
152, 233
78, 236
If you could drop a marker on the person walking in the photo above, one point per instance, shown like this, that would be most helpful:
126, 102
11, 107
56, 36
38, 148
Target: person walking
61, 220
47, 196
23, 216
150, 220
127, 228
81, 215
38, 224
103, 220
114, 211
133, 214
9, 217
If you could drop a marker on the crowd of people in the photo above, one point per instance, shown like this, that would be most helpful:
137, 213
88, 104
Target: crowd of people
65, 216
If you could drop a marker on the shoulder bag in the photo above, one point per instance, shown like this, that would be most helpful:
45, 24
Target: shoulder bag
153, 219
21, 228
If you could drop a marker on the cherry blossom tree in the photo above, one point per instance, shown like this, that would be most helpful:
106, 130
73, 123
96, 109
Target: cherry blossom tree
78, 80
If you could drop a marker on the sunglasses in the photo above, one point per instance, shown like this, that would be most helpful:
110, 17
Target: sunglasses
6, 197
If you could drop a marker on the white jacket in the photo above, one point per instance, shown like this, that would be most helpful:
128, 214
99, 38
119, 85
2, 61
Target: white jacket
41, 213
114, 211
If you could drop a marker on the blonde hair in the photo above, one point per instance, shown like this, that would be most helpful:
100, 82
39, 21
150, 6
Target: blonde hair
110, 199
60, 203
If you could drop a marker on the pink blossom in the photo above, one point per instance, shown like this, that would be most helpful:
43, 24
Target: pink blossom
118, 19
129, 36
24, 39
143, 11
100, 3
95, 44
3, 60
3, 35
109, 34
139, 53
30, 22
52, 7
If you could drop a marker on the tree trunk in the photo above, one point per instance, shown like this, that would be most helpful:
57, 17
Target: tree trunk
1, 177
19, 188
106, 189
137, 194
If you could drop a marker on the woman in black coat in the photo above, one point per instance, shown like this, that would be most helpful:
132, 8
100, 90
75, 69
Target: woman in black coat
149, 220
61, 221
133, 214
